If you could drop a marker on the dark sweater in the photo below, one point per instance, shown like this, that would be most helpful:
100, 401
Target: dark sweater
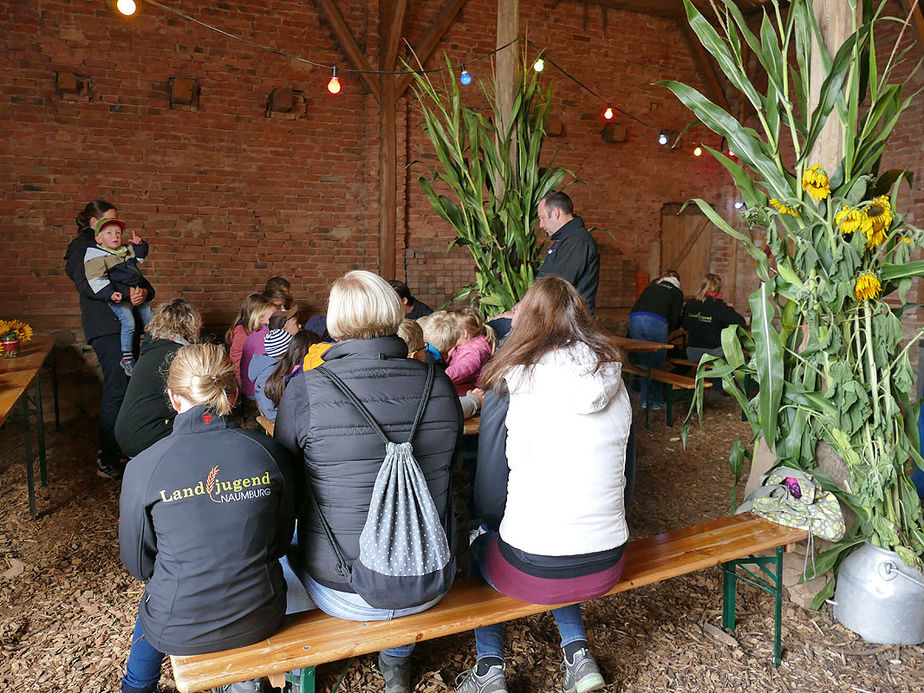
205, 515
573, 255
662, 299
146, 416
341, 454
705, 320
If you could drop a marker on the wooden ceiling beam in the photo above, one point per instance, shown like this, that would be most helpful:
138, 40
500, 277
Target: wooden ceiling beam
668, 8
917, 18
349, 45
391, 21
703, 65
441, 23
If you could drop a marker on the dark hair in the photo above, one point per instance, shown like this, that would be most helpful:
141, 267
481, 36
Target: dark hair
552, 315
273, 295
278, 320
96, 208
275, 385
671, 273
278, 283
558, 200
402, 291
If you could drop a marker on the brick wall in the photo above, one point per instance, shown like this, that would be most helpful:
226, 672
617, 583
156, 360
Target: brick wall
228, 196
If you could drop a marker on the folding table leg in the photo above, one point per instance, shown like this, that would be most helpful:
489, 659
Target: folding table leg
40, 428
30, 482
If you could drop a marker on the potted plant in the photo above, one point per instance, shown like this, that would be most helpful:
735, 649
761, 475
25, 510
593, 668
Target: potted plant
492, 174
826, 350
12, 334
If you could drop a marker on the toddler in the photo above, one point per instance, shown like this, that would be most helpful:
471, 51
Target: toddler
112, 271
441, 331
473, 349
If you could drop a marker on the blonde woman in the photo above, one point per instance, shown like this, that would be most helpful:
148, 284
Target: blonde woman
704, 318
205, 515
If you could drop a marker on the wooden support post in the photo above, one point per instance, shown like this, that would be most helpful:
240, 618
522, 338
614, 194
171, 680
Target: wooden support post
834, 23
391, 23
508, 29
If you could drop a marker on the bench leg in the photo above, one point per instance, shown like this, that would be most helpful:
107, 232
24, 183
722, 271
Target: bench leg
304, 679
769, 580
669, 403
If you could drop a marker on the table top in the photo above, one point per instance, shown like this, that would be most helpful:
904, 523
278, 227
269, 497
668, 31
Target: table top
640, 344
17, 374
472, 426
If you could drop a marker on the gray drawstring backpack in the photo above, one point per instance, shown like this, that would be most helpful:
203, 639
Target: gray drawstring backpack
404, 556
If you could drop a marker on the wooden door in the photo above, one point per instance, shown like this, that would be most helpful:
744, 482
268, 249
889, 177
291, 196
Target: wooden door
686, 239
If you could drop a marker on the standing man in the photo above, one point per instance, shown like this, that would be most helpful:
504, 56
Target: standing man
573, 252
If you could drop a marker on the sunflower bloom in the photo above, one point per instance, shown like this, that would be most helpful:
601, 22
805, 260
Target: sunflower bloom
880, 213
781, 208
867, 287
850, 220
815, 182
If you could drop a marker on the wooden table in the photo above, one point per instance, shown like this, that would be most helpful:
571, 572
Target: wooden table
640, 344
17, 377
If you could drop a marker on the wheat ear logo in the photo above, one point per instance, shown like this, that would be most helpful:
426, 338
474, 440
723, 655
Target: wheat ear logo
210, 483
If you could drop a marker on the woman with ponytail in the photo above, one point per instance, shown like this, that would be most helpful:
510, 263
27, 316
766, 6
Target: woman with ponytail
205, 515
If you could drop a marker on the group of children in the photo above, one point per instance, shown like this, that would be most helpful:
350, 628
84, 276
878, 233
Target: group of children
268, 346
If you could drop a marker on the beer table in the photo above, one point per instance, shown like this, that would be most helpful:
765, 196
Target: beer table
20, 382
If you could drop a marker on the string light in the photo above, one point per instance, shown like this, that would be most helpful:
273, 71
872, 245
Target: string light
739, 204
539, 65
465, 78
126, 7
608, 113
662, 139
333, 86
731, 153
698, 151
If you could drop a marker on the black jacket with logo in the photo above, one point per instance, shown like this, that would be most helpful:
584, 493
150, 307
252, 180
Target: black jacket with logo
705, 320
574, 256
205, 515
341, 453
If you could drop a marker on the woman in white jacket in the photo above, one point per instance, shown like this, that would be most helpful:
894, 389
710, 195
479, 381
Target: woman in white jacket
550, 480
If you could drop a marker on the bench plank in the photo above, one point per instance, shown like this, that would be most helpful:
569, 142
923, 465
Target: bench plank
313, 637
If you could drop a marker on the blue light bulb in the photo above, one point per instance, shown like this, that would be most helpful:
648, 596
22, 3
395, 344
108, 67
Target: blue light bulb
465, 78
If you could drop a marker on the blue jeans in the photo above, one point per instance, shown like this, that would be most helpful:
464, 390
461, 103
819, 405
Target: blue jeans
652, 329
142, 671
345, 605
489, 640
125, 312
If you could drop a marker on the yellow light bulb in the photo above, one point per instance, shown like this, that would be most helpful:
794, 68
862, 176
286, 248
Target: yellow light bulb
698, 151
539, 65
126, 7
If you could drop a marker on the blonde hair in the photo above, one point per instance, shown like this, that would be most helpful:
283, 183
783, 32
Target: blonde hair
176, 318
362, 305
712, 284
252, 308
412, 334
203, 374
441, 330
472, 323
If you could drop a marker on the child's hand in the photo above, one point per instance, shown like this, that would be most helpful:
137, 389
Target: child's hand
116, 297
135, 238
479, 393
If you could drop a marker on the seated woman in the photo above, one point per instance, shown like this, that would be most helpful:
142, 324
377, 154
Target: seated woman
145, 415
704, 318
342, 453
550, 481
205, 515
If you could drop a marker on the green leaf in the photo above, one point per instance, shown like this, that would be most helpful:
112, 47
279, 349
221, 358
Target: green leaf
768, 357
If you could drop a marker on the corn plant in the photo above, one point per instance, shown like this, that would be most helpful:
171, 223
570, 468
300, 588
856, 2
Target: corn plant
826, 350
494, 179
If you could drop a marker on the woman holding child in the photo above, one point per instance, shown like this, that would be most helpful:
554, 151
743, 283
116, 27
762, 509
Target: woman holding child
550, 480
102, 330
205, 515
342, 453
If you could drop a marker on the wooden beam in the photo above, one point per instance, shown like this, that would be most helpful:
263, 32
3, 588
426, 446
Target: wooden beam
703, 65
508, 29
669, 8
391, 27
349, 45
445, 16
834, 24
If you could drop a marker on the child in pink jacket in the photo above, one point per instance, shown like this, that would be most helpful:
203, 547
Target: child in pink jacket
472, 351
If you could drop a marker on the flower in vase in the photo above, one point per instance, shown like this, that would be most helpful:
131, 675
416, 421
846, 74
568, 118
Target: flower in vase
815, 182
867, 287
781, 208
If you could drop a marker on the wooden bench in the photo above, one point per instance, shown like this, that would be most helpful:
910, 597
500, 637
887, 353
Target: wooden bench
312, 638
675, 381
269, 427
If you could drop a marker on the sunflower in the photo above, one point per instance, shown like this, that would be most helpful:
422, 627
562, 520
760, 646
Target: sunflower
880, 213
815, 182
850, 220
781, 208
867, 287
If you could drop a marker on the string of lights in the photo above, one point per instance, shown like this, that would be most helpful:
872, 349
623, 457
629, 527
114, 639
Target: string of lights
130, 7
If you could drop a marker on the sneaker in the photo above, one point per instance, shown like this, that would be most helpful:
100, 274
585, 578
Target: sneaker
128, 365
582, 674
492, 682
654, 406
397, 676
108, 471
